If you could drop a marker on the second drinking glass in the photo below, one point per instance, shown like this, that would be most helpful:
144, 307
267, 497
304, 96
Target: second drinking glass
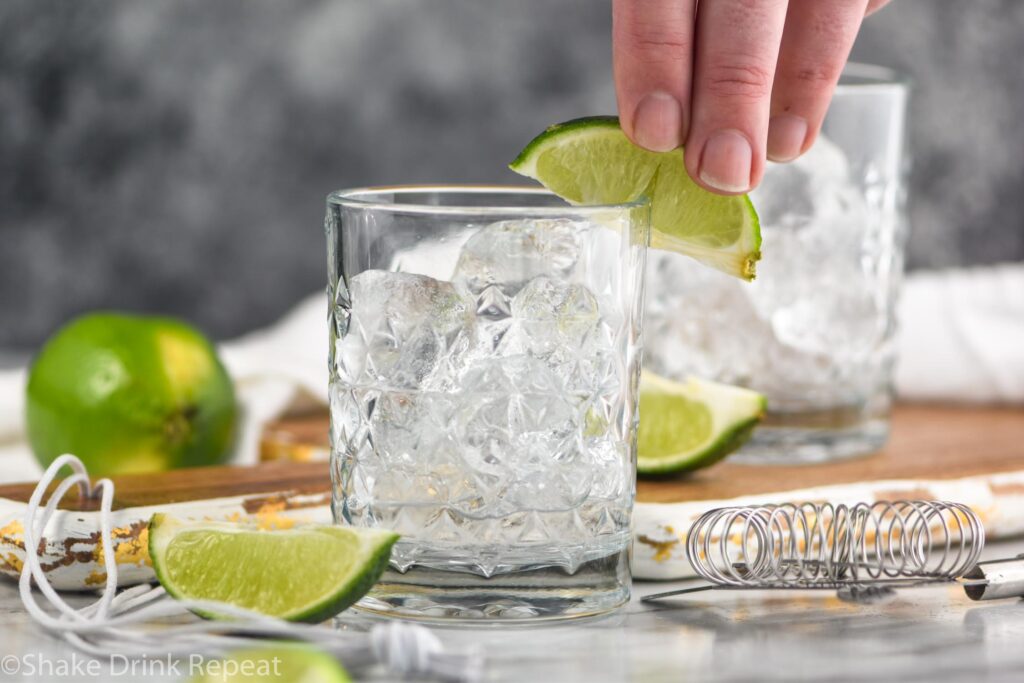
815, 332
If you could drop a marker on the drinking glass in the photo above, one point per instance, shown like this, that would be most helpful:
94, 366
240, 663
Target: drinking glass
484, 362
814, 331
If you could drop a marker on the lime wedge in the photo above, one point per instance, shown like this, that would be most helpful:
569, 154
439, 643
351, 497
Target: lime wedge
307, 573
688, 425
281, 663
591, 161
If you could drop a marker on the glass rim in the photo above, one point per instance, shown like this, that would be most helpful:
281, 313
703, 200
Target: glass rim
869, 77
367, 198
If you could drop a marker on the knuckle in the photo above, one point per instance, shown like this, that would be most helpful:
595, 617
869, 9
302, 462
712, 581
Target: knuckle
739, 80
748, 6
660, 44
817, 74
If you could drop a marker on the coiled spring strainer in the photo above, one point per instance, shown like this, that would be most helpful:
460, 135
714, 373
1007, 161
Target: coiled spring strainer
867, 546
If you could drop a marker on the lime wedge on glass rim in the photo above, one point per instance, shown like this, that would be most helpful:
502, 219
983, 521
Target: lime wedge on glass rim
305, 573
688, 425
591, 161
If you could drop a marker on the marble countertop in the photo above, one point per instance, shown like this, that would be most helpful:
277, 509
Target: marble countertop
930, 634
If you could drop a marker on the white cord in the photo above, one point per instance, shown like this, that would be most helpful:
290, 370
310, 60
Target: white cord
115, 624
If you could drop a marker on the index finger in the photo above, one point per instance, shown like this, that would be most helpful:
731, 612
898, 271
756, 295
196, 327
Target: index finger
652, 46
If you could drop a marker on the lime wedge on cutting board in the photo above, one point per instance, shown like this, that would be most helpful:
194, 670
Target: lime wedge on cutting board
591, 161
688, 425
306, 573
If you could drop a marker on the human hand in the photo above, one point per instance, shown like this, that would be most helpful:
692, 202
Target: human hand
732, 80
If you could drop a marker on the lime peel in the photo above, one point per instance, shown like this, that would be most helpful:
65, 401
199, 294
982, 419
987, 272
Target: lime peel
689, 425
304, 573
591, 161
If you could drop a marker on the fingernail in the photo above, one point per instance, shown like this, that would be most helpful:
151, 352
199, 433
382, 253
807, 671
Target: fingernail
657, 122
786, 135
725, 164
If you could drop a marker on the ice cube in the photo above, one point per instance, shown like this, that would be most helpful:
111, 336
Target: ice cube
783, 199
561, 324
494, 319
835, 323
508, 254
408, 429
609, 459
515, 415
797, 194
699, 322
517, 394
551, 489
403, 330
806, 328
499, 259
520, 433
552, 314
815, 285
434, 256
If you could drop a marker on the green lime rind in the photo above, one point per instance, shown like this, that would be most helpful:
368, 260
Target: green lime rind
525, 162
279, 662
128, 394
591, 161
307, 573
729, 442
739, 259
709, 421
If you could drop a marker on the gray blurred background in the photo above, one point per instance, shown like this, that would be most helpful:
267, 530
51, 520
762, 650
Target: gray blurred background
173, 156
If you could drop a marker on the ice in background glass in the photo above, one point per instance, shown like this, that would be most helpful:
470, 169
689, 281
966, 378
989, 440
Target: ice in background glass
814, 332
484, 360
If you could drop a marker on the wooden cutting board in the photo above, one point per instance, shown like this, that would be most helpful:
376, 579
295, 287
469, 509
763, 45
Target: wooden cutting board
969, 455
972, 455
269, 496
928, 442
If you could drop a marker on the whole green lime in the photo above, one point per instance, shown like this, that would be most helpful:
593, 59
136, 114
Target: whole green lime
129, 393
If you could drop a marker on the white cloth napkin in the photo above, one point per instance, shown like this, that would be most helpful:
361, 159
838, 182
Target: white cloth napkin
961, 339
961, 336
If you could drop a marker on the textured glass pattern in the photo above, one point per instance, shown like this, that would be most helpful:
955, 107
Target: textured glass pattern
483, 392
